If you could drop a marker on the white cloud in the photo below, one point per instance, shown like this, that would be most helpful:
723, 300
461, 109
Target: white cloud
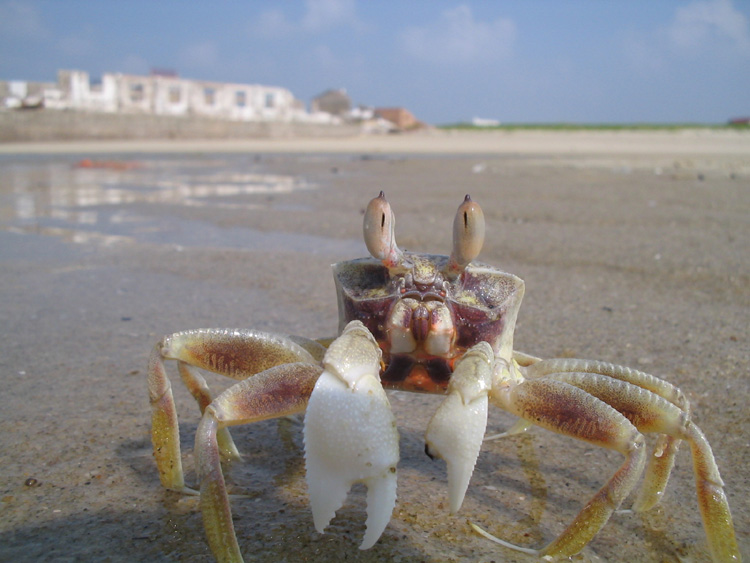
319, 16
700, 23
711, 30
457, 38
21, 19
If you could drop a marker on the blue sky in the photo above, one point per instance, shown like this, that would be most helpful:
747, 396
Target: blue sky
446, 61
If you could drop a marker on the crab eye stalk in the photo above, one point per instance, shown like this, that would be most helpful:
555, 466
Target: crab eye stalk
379, 232
468, 234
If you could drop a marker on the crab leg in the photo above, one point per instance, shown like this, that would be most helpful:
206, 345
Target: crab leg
350, 433
662, 460
714, 507
652, 413
234, 353
565, 409
457, 428
276, 392
196, 384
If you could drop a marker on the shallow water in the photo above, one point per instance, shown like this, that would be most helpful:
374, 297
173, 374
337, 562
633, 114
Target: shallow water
133, 205
628, 265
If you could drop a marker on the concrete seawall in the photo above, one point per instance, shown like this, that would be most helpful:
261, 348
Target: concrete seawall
54, 125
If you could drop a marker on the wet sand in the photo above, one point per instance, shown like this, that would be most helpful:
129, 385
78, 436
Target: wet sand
634, 249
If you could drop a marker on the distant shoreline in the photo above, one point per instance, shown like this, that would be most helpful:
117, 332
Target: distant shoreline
740, 125
636, 143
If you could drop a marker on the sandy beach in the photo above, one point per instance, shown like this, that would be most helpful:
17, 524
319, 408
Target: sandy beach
635, 249
698, 142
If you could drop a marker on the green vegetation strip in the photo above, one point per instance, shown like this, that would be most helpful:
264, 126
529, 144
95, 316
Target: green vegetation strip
595, 126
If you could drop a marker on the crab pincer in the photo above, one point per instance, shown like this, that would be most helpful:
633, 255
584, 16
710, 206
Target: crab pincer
350, 433
457, 428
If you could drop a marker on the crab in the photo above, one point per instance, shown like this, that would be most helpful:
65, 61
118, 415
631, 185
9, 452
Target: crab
432, 324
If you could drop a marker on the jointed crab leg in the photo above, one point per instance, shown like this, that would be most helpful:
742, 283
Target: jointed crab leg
351, 405
652, 413
664, 410
278, 391
652, 406
565, 409
198, 388
661, 462
234, 353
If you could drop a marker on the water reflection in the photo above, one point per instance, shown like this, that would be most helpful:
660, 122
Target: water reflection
107, 204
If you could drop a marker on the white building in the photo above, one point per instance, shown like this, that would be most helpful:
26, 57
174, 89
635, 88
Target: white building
160, 95
483, 122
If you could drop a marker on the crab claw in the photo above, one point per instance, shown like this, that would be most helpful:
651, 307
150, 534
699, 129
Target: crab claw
350, 433
456, 431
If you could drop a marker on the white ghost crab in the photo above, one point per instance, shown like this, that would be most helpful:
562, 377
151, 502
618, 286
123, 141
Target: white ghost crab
434, 324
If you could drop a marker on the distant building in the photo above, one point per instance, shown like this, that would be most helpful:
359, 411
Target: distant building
361, 113
168, 72
334, 102
162, 93
22, 94
400, 117
483, 122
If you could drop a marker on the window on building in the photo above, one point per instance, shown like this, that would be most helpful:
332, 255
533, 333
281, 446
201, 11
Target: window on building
240, 98
270, 100
175, 94
209, 96
136, 92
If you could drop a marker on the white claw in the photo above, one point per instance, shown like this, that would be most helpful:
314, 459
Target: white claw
381, 498
456, 431
350, 434
455, 435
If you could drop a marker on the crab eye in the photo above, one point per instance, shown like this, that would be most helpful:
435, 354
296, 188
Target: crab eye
379, 227
379, 231
468, 233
